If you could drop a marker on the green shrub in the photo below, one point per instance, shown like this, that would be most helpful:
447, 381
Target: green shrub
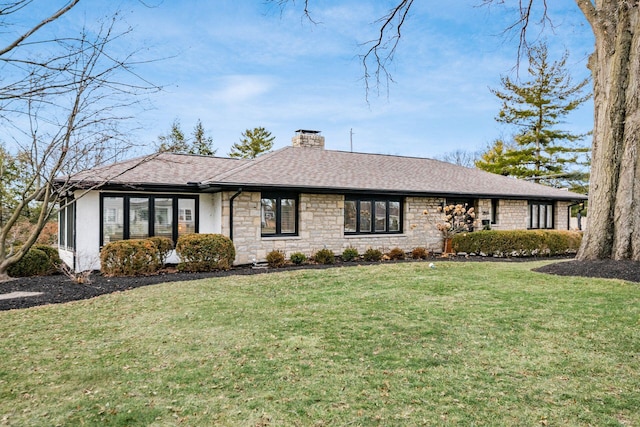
129, 258
54, 263
298, 258
518, 242
275, 259
396, 254
350, 254
205, 252
372, 255
35, 262
325, 256
164, 245
419, 253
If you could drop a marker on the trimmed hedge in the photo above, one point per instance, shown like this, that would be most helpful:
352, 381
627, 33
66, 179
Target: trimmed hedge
396, 254
276, 259
129, 258
164, 246
298, 258
40, 260
325, 256
350, 254
419, 253
205, 252
372, 255
517, 243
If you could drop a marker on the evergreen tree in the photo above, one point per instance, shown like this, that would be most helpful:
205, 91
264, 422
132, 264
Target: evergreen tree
176, 142
499, 159
541, 151
253, 143
201, 144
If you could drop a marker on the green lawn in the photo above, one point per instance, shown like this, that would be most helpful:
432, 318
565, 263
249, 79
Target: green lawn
464, 344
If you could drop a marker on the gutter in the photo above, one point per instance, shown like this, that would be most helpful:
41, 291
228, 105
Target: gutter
231, 212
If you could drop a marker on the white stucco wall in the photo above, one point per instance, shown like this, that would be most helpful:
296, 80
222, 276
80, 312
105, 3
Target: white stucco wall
87, 254
211, 213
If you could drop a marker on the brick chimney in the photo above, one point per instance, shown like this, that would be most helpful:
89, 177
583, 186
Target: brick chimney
308, 139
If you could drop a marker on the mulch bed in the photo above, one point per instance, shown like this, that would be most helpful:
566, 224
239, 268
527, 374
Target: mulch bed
60, 289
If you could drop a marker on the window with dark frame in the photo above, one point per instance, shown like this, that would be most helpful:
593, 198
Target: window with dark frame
494, 211
66, 225
372, 215
279, 214
541, 214
133, 216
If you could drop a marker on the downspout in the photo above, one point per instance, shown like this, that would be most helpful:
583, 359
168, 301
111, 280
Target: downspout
231, 212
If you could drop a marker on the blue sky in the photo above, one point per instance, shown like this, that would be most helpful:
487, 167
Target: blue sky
238, 64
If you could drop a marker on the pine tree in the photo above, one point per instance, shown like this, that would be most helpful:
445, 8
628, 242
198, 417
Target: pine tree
175, 141
499, 159
202, 144
541, 151
254, 142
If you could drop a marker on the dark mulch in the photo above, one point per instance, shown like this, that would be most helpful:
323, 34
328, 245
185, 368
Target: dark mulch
59, 289
607, 269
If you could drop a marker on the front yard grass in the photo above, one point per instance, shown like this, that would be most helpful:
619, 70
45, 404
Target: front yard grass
482, 344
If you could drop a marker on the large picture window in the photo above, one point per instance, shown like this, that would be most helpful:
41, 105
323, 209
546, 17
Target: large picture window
279, 214
541, 215
137, 217
372, 215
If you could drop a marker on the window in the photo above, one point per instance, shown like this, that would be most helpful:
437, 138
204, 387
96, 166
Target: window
186, 218
540, 214
163, 217
372, 215
494, 211
66, 224
112, 221
279, 214
138, 217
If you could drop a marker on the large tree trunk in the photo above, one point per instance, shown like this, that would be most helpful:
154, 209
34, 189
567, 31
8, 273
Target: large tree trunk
614, 194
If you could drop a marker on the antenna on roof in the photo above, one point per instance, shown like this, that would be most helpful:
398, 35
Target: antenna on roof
351, 138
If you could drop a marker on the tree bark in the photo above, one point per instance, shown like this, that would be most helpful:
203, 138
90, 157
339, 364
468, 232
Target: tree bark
614, 194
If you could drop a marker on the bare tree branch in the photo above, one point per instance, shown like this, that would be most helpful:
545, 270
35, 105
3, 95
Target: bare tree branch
383, 48
63, 117
37, 27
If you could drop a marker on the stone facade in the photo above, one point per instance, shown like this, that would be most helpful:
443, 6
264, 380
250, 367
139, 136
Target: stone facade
321, 225
512, 215
308, 139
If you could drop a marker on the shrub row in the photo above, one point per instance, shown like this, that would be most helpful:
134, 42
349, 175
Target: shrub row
197, 252
130, 257
518, 242
277, 258
40, 260
205, 252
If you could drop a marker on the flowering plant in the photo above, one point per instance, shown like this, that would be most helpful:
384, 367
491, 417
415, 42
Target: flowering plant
456, 219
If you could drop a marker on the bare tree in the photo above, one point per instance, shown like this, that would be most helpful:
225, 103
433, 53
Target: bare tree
461, 157
61, 101
614, 196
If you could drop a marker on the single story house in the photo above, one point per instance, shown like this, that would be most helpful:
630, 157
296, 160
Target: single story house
300, 198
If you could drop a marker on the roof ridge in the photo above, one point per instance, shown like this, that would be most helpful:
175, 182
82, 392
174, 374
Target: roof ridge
244, 166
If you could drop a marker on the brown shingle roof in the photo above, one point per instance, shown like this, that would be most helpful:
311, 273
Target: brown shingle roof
321, 170
159, 169
325, 169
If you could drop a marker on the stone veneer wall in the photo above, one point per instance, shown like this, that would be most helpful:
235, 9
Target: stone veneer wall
321, 225
561, 212
512, 215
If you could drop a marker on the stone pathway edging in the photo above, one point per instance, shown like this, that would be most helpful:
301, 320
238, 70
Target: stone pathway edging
17, 294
